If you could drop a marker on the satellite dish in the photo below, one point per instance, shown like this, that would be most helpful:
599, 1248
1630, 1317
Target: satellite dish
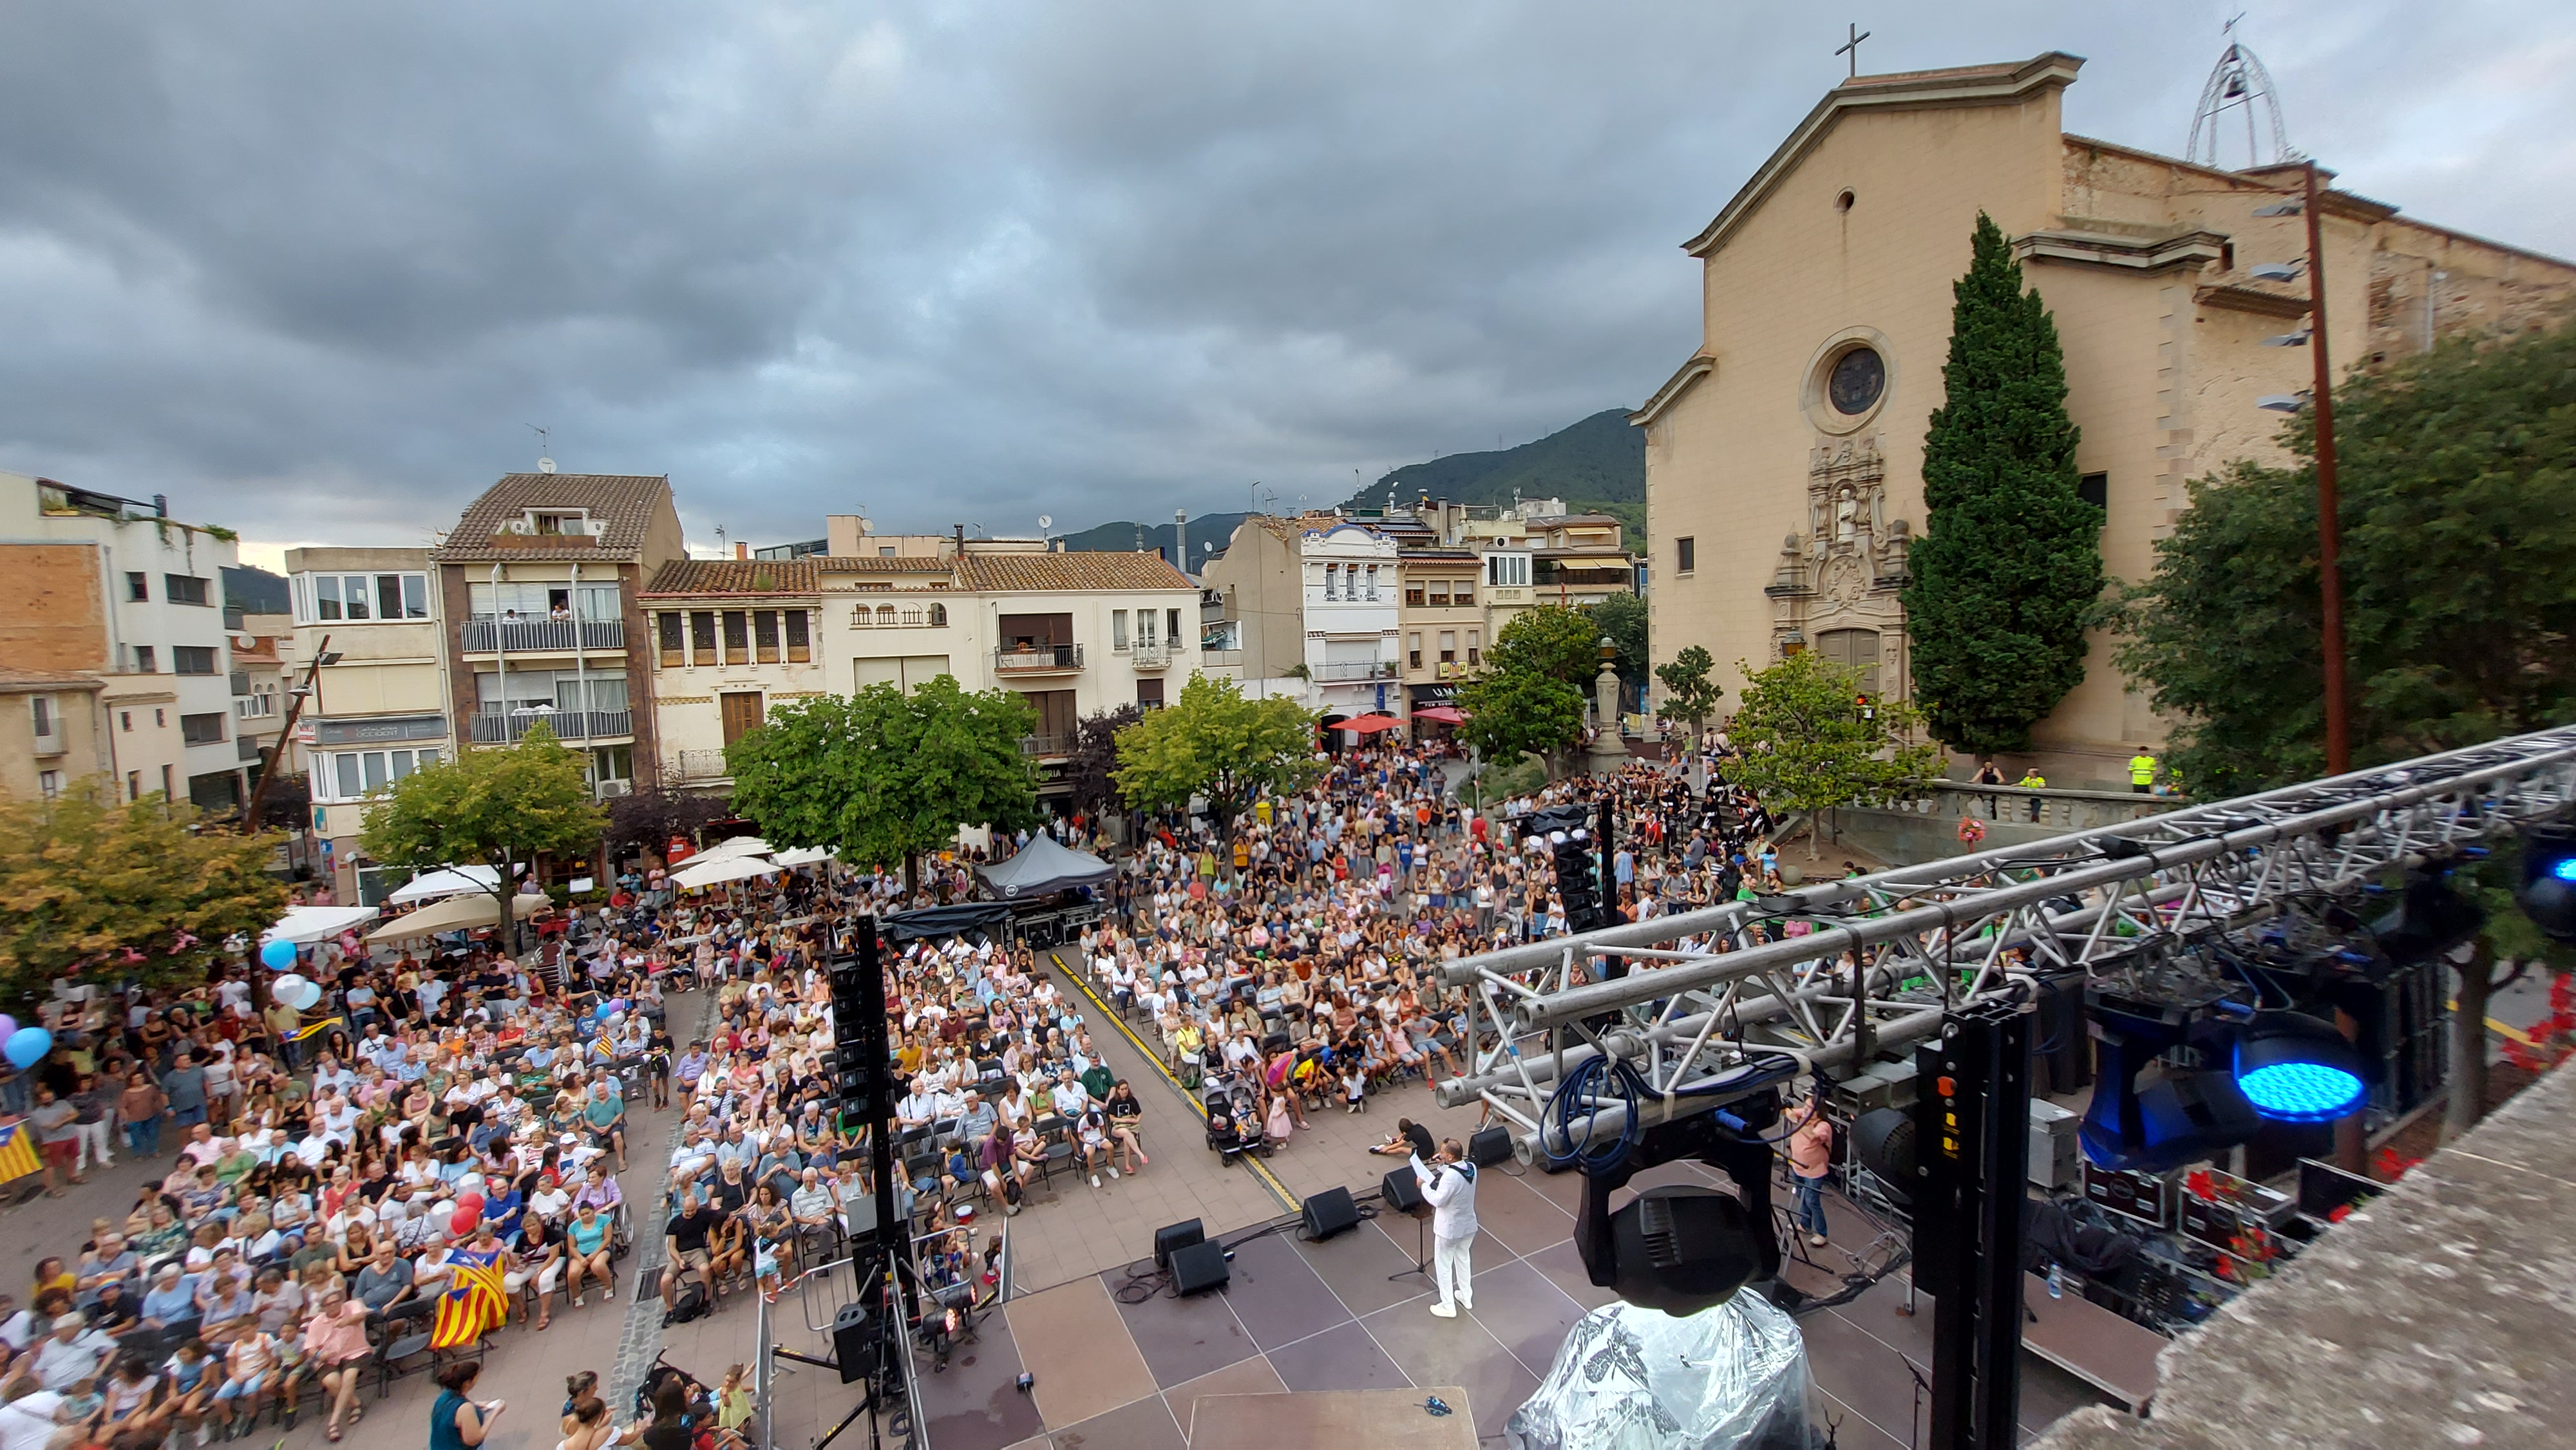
1045, 522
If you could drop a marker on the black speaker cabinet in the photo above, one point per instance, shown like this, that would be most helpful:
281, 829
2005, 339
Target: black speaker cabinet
1489, 1147
1403, 1191
1175, 1236
1330, 1212
1199, 1268
857, 1338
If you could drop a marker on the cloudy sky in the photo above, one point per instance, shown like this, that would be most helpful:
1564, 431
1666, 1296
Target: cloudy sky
313, 269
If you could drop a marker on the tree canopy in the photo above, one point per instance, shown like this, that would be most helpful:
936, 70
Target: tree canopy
1215, 744
1090, 770
93, 888
1809, 745
1513, 712
1622, 619
501, 806
2458, 490
653, 816
883, 776
1556, 640
2009, 565
1691, 691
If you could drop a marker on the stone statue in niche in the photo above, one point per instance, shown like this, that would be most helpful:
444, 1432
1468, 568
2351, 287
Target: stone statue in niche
1892, 554
1846, 515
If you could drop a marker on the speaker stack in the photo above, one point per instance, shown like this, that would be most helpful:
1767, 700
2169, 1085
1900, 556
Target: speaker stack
1171, 1238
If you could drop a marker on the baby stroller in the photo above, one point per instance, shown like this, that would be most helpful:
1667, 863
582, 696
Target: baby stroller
1234, 1118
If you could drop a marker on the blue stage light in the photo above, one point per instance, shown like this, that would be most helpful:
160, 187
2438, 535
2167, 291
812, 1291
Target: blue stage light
2301, 1092
2565, 869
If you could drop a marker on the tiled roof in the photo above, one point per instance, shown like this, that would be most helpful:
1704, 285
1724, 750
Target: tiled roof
13, 679
625, 502
880, 564
736, 576
1025, 573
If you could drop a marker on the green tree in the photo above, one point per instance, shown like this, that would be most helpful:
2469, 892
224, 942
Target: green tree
1215, 744
2009, 566
1691, 692
92, 887
501, 806
1810, 746
1555, 640
652, 817
883, 776
1090, 771
1516, 711
1622, 619
2458, 487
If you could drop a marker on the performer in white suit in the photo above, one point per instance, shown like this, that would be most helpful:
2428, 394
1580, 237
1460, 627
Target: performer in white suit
1449, 1186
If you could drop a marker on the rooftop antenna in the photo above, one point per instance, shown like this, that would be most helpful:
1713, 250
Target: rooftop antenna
2238, 82
545, 464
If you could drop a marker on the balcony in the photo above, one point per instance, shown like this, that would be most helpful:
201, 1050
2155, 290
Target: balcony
1045, 659
1046, 746
704, 767
492, 728
1332, 673
1218, 659
1150, 656
540, 636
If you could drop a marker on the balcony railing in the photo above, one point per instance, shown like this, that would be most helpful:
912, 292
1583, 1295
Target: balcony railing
1220, 658
1150, 656
1363, 670
1038, 659
493, 728
1046, 745
540, 636
700, 766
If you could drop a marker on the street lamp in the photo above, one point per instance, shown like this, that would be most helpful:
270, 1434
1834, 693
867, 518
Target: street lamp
2329, 500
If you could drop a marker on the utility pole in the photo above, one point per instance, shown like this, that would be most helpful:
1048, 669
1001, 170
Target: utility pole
269, 758
2329, 500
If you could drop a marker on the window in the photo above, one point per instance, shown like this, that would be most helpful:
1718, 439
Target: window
1145, 628
1440, 594
702, 638
1149, 693
1464, 593
1172, 627
1507, 571
885, 551
344, 597
764, 636
674, 651
1475, 637
160, 719
259, 704
192, 659
184, 588
49, 783
352, 774
1118, 629
1372, 583
800, 645
1413, 596
1685, 554
144, 663
2095, 489
515, 602
125, 722
134, 792
1332, 580
1448, 646
138, 588
205, 729
737, 637
40, 708
168, 784
612, 762
1413, 651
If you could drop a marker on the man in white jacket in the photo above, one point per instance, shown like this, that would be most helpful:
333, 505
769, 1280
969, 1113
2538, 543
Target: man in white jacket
1449, 1186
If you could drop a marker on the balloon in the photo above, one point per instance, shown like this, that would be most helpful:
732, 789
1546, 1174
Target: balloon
472, 1183
27, 1046
306, 994
464, 1220
8, 1026
602, 1012
470, 1203
278, 955
284, 988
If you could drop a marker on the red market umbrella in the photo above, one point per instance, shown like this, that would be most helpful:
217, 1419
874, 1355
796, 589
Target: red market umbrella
1440, 714
1369, 724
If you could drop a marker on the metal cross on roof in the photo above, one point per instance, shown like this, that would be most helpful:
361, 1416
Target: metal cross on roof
1851, 48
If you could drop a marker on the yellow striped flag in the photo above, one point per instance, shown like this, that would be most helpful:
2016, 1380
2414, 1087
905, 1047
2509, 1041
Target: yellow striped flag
18, 1153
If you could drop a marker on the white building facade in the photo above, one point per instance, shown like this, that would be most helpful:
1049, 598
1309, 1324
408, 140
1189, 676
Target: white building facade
1352, 591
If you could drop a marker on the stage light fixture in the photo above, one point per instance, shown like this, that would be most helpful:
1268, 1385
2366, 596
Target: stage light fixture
1676, 1248
2430, 919
2548, 894
2297, 1069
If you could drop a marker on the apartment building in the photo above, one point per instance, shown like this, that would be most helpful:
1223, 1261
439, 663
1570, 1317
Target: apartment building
1077, 633
732, 640
540, 613
92, 584
53, 732
1442, 616
379, 708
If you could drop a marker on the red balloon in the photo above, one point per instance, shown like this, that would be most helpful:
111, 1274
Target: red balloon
473, 1201
464, 1221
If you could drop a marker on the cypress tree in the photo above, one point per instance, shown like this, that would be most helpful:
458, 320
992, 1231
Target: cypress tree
2009, 565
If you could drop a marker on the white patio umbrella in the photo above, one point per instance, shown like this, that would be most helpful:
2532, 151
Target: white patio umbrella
443, 881
716, 873
805, 856
456, 913
304, 924
735, 849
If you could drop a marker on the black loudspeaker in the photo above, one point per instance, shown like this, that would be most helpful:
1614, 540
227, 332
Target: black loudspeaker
1172, 1237
1199, 1268
1489, 1147
1330, 1212
1403, 1191
857, 1339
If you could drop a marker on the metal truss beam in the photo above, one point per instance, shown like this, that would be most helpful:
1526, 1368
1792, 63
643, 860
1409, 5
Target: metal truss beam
1706, 1009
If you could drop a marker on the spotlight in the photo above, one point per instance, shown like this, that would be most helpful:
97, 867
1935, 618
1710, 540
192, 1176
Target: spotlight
2296, 1069
2429, 920
2548, 894
1683, 1249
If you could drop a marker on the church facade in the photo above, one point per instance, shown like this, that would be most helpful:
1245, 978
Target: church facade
1783, 459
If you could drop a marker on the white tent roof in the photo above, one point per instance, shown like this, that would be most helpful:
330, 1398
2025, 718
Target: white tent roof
303, 924
456, 913
444, 881
805, 856
735, 849
716, 873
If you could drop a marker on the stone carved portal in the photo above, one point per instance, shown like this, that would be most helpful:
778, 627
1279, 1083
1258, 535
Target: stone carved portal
1843, 573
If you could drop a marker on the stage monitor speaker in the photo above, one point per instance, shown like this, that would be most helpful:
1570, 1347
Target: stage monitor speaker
1172, 1237
1199, 1268
1489, 1147
1403, 1191
1330, 1212
857, 1339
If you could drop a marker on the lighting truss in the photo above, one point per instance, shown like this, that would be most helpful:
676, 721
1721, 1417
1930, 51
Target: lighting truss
1707, 1011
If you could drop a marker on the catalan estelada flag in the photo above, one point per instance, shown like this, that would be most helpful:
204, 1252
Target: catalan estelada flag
475, 1304
18, 1153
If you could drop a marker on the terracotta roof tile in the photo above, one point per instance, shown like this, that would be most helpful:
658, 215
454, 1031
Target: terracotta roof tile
1024, 573
14, 678
880, 564
736, 576
625, 502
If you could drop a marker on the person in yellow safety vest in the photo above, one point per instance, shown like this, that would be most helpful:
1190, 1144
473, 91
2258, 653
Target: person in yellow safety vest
2142, 773
2031, 779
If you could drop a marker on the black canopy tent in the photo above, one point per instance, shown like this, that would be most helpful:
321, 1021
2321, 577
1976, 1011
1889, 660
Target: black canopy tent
929, 922
1042, 868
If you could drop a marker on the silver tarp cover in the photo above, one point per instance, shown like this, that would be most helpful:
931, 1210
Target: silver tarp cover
1729, 1378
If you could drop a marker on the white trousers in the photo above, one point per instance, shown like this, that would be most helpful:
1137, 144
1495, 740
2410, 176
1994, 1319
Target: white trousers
93, 1145
1449, 1266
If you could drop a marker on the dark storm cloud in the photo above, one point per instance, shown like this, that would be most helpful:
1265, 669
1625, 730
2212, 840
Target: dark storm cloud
310, 268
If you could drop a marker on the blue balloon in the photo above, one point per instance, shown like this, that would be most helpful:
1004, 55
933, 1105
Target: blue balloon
602, 1012
278, 955
27, 1046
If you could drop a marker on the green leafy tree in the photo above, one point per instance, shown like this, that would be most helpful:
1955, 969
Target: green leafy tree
1555, 640
652, 817
2009, 566
501, 806
89, 887
1516, 711
2458, 486
1622, 619
1691, 691
1215, 744
884, 776
1809, 745
1090, 771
